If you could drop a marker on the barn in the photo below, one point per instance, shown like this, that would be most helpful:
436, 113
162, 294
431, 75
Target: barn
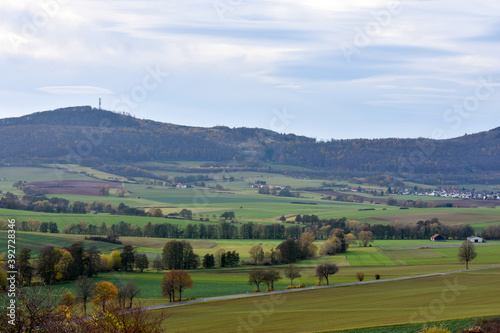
437, 238
475, 239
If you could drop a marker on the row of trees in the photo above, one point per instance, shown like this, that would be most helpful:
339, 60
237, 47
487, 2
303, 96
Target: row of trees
492, 231
395, 230
267, 276
221, 230
180, 255
103, 292
284, 192
321, 229
270, 276
33, 225
39, 202
67, 264
414, 203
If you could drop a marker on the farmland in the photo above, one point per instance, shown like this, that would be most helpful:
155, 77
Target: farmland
333, 309
86, 188
325, 310
389, 258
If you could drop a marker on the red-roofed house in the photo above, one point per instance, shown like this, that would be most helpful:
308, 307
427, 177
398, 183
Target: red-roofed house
437, 238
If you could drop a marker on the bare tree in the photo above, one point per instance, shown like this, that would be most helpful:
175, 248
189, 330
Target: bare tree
256, 277
132, 290
175, 280
325, 270
84, 289
121, 297
168, 288
158, 264
292, 272
466, 253
270, 276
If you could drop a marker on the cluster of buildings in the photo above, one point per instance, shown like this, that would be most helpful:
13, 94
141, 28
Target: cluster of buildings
277, 187
455, 193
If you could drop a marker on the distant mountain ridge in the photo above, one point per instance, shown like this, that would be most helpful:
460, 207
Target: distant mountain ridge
83, 133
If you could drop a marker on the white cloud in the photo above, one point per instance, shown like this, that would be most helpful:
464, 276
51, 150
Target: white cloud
261, 54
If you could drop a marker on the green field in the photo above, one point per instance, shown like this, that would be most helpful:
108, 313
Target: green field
453, 325
96, 219
336, 309
37, 241
355, 307
93, 173
382, 253
239, 197
398, 258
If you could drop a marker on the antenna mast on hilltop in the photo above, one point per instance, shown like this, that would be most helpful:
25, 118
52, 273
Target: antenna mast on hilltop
99, 103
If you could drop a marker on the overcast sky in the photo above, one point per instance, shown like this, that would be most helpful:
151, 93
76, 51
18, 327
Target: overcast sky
326, 69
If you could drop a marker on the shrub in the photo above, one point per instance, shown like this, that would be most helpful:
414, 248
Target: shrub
266, 262
474, 329
435, 329
114, 320
317, 283
256, 290
184, 299
377, 276
270, 289
360, 276
68, 300
292, 287
485, 325
302, 285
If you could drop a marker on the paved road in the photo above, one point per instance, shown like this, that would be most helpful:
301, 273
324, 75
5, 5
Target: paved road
223, 298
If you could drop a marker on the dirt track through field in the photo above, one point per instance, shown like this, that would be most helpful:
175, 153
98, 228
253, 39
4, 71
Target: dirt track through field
228, 297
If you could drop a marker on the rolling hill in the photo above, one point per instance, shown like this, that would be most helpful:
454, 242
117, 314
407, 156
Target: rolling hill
90, 136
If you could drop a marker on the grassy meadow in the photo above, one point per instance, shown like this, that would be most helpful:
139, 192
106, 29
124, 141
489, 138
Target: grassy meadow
237, 196
388, 258
337, 309
453, 325
366, 308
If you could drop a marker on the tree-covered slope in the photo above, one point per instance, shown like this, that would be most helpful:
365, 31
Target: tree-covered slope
80, 134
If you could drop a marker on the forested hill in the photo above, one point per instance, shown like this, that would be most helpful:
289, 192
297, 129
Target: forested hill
83, 134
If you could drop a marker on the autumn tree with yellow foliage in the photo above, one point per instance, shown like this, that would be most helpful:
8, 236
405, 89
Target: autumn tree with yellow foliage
104, 292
